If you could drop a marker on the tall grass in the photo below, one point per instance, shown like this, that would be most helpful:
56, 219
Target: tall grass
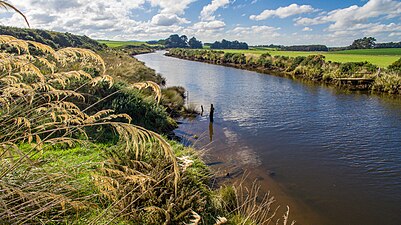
39, 108
45, 110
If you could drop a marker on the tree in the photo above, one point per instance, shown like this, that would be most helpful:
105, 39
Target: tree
194, 43
175, 41
224, 44
363, 43
184, 39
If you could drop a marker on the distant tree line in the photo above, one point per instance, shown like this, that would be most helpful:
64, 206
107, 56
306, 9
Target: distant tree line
176, 41
362, 43
309, 48
370, 42
224, 44
270, 46
388, 45
159, 42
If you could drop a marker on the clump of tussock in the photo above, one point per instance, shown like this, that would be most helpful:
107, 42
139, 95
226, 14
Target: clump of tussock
247, 205
143, 190
37, 109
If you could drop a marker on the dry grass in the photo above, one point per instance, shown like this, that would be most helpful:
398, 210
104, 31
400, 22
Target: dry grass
124, 67
39, 108
248, 206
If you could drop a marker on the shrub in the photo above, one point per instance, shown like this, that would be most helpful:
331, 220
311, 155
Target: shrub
396, 66
295, 62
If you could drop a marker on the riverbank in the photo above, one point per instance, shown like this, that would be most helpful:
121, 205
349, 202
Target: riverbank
332, 149
83, 147
354, 76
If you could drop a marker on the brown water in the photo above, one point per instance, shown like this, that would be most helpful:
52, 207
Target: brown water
336, 154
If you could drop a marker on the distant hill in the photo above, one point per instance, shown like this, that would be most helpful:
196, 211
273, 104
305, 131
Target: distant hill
54, 39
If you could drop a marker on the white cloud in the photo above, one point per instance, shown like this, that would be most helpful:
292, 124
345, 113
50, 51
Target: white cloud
170, 6
255, 34
259, 30
309, 21
395, 34
207, 12
283, 12
168, 20
209, 25
118, 20
354, 16
111, 19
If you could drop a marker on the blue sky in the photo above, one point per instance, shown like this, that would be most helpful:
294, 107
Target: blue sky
288, 22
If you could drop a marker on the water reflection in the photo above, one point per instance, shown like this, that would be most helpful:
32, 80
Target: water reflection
337, 151
210, 131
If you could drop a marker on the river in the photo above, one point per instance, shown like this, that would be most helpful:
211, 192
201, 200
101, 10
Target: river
337, 154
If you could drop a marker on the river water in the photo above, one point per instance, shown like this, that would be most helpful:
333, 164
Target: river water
338, 153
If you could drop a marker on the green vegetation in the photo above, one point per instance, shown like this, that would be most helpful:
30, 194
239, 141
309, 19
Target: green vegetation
379, 57
67, 158
309, 48
396, 67
114, 44
55, 40
79, 147
224, 44
121, 66
363, 43
310, 67
375, 51
176, 41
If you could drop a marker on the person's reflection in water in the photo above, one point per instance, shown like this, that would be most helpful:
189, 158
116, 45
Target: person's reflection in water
211, 131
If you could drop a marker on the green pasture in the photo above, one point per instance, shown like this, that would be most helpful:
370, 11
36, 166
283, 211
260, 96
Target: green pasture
380, 57
114, 44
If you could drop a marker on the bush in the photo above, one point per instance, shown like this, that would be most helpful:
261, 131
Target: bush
353, 69
396, 66
143, 110
295, 62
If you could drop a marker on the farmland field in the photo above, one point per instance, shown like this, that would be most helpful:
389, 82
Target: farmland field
380, 57
114, 44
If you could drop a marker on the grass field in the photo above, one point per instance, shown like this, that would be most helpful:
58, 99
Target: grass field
114, 44
380, 57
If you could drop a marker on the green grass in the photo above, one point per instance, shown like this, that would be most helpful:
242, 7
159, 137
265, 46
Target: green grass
379, 51
114, 44
380, 57
78, 162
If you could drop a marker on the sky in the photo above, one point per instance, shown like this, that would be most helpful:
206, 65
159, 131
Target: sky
257, 22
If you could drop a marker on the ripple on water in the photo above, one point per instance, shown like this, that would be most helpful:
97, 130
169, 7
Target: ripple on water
314, 137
